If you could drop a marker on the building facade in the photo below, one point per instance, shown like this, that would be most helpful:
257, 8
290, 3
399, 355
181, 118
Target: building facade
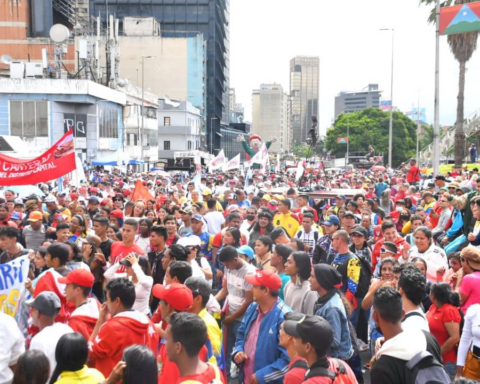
178, 18
304, 92
271, 116
348, 102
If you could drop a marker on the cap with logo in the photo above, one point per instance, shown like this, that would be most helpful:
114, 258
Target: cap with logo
80, 277
332, 220
266, 278
198, 217
177, 295
47, 303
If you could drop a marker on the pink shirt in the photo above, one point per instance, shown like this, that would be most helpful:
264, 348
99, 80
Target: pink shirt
251, 344
470, 287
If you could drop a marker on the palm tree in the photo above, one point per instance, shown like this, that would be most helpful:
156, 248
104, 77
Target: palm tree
462, 46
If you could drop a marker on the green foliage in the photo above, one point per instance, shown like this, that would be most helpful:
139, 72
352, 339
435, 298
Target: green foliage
370, 126
426, 136
300, 149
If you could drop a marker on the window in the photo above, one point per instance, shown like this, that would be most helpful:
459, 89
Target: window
107, 122
29, 118
189, 145
131, 139
166, 121
166, 145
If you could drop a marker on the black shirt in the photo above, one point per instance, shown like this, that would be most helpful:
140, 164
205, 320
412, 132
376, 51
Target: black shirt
106, 248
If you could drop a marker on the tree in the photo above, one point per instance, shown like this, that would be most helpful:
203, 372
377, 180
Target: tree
426, 136
370, 126
462, 46
300, 149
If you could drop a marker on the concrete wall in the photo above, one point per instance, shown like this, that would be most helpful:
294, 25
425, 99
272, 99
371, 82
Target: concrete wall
4, 118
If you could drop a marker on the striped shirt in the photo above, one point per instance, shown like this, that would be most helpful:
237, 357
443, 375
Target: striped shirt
237, 286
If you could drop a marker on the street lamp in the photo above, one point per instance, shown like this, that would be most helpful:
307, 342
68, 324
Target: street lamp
140, 132
390, 129
211, 133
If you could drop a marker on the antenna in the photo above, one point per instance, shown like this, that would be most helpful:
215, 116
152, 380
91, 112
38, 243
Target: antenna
59, 33
6, 59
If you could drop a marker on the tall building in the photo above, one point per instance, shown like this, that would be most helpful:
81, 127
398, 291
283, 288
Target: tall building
271, 116
347, 102
180, 18
304, 90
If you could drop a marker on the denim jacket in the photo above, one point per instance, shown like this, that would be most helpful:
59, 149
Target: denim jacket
334, 312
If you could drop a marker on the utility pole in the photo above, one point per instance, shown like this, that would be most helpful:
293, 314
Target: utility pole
141, 130
436, 120
390, 128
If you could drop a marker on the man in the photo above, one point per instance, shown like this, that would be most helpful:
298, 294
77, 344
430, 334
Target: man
413, 174
34, 234
304, 207
390, 233
380, 187
262, 357
377, 209
9, 195
46, 307
473, 153
307, 234
124, 328
12, 346
285, 219
339, 202
238, 294
312, 338
399, 346
4, 217
445, 215
171, 225
121, 249
411, 285
186, 227
250, 219
206, 238
158, 237
241, 201
232, 220
176, 252
78, 285
62, 232
279, 236
8, 244
100, 226
92, 206
213, 217
323, 248
185, 337
349, 221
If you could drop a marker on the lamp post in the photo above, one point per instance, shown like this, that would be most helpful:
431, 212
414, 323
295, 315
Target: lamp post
390, 128
140, 131
211, 133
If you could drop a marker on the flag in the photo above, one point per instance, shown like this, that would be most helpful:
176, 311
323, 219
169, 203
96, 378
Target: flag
342, 140
248, 177
218, 161
52, 164
232, 164
386, 105
12, 285
277, 163
259, 157
141, 192
460, 18
300, 170
197, 180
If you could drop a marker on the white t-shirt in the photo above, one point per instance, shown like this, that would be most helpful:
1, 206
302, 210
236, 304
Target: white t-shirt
12, 345
46, 341
214, 221
415, 321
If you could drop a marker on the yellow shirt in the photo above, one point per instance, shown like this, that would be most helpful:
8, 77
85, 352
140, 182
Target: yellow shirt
213, 331
288, 223
85, 376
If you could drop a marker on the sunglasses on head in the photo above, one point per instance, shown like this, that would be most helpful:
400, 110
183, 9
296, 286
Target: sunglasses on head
385, 250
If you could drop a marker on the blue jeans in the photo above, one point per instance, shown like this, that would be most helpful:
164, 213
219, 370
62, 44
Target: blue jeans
451, 369
356, 314
231, 330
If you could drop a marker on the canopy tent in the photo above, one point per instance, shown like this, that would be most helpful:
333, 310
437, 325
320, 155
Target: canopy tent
118, 158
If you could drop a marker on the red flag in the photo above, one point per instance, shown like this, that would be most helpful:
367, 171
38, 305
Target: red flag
141, 192
54, 163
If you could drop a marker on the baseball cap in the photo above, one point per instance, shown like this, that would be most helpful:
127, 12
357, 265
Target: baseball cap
349, 213
117, 213
190, 241
177, 295
186, 210
47, 303
246, 250
198, 217
440, 177
314, 329
141, 260
16, 216
332, 220
80, 277
93, 200
276, 233
206, 191
233, 196
360, 230
266, 278
341, 197
50, 199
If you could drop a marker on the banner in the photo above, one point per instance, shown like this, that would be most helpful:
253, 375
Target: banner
460, 18
233, 163
259, 157
386, 105
12, 284
342, 140
141, 192
218, 161
54, 163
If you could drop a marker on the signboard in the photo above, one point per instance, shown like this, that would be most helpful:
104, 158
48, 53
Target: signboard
75, 122
12, 284
460, 18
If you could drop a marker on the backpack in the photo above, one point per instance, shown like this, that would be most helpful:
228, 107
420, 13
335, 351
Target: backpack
424, 368
299, 364
216, 380
339, 376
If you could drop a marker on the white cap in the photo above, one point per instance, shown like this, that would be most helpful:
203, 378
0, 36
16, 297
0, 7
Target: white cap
190, 241
50, 199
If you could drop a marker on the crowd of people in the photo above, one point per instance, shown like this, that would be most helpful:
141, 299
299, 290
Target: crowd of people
220, 279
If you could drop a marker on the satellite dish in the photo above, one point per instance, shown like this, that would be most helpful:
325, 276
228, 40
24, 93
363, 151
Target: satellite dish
59, 33
6, 59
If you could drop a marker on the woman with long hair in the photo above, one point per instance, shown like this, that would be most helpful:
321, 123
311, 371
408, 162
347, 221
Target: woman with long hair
78, 229
151, 215
263, 227
90, 252
138, 209
161, 214
385, 202
143, 238
138, 366
39, 261
75, 258
33, 367
263, 252
129, 205
71, 354
444, 318
298, 294
468, 356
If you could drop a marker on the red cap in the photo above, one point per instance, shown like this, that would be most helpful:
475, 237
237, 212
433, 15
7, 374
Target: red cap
177, 295
117, 213
74, 196
254, 137
266, 278
93, 190
80, 277
144, 182
104, 202
127, 192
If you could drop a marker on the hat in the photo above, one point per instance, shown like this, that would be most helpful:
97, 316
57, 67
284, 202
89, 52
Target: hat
349, 213
314, 329
81, 277
47, 303
93, 200
332, 220
190, 241
187, 210
141, 260
177, 295
232, 208
16, 216
472, 256
327, 276
339, 196
117, 213
465, 189
266, 197
246, 250
266, 278
390, 246
254, 137
94, 190
400, 201
127, 192
233, 196
50, 199
198, 217
360, 230
206, 191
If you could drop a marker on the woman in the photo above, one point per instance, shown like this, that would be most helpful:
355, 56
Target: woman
143, 238
385, 202
409, 205
75, 258
71, 354
402, 220
422, 265
139, 210
138, 271
298, 295
468, 363
32, 367
151, 215
129, 205
161, 214
359, 246
78, 229
470, 285
116, 218
95, 260
150, 205
408, 229
450, 276
112, 232
424, 248
39, 261
262, 227
138, 366
263, 252
279, 258
444, 322
118, 200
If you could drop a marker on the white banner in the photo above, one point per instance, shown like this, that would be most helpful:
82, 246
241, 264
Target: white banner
218, 161
232, 164
12, 284
259, 157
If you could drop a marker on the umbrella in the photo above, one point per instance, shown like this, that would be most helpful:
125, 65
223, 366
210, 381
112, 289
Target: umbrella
25, 190
377, 168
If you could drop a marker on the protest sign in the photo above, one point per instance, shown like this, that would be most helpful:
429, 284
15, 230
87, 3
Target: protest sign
12, 284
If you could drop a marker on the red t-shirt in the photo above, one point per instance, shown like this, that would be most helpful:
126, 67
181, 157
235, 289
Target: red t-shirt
205, 377
119, 252
295, 375
437, 317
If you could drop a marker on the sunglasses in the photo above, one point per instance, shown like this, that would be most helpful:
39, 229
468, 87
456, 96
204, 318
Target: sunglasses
385, 250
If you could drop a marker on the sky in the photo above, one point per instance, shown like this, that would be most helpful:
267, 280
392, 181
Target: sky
266, 34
